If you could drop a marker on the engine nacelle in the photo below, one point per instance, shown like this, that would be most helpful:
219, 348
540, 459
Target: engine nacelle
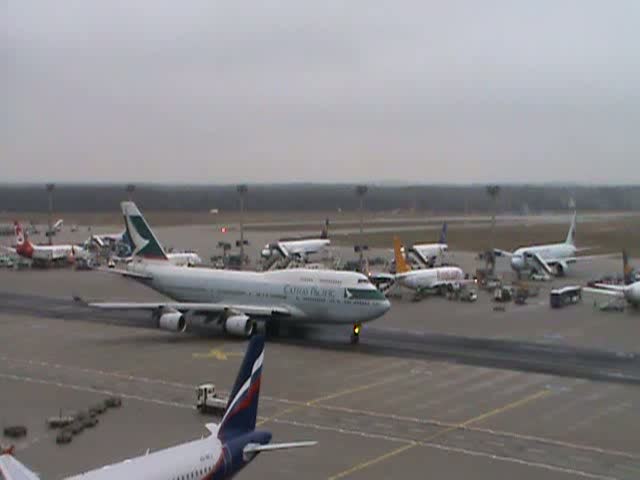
240, 325
561, 269
172, 321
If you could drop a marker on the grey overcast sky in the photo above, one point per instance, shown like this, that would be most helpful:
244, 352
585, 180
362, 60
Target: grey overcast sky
222, 91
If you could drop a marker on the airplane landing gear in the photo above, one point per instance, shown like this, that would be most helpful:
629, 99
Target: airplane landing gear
355, 334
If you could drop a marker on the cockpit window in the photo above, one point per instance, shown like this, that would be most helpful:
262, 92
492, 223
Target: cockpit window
363, 280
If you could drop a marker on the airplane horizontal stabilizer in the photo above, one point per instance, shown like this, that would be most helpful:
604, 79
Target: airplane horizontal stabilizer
256, 448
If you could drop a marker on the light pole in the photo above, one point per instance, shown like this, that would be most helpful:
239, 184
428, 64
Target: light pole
493, 191
50, 188
361, 191
130, 188
242, 191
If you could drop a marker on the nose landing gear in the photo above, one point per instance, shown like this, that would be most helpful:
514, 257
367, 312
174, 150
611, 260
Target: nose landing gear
355, 333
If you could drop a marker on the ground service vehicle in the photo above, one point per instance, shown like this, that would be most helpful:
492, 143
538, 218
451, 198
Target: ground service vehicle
561, 297
208, 401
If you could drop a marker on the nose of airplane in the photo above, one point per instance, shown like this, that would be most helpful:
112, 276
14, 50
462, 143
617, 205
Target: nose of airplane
385, 306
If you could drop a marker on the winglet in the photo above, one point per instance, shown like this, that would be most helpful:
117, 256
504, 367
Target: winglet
242, 410
401, 263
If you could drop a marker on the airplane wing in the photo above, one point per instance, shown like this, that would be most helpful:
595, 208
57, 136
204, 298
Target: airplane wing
601, 290
256, 448
12, 469
251, 310
614, 288
555, 261
454, 282
126, 273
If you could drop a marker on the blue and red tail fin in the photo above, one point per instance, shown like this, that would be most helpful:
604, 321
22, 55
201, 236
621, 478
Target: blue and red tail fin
242, 410
443, 234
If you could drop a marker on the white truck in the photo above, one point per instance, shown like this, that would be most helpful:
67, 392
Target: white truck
208, 401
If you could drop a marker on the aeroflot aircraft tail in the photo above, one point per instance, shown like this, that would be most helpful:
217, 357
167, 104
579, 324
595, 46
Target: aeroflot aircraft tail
144, 242
571, 235
242, 410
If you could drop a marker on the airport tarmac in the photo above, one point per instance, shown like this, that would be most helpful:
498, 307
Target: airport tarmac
435, 388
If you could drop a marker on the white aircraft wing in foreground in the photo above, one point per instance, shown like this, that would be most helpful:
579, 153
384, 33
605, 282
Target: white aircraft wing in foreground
12, 469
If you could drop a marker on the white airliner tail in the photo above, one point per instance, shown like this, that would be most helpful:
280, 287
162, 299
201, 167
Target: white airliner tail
145, 244
571, 235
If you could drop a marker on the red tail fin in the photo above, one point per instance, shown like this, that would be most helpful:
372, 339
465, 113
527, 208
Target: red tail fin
23, 245
20, 235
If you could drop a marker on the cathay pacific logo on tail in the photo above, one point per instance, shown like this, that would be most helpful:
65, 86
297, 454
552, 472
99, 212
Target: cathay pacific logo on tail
144, 241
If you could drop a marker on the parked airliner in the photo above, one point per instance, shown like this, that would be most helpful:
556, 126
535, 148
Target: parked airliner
428, 253
300, 248
552, 259
435, 278
44, 254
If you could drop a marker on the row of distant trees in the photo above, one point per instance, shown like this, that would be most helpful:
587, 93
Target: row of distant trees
323, 197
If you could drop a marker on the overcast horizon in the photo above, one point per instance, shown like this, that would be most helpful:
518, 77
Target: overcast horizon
404, 92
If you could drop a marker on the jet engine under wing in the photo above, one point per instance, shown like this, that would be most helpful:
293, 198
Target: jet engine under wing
12, 469
251, 310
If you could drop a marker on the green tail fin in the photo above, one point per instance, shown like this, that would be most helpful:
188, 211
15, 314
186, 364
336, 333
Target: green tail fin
144, 242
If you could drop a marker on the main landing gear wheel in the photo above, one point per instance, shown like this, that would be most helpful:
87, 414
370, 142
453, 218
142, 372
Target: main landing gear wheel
355, 334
